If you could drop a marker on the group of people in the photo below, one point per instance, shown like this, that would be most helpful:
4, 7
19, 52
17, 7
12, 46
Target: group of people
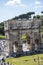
2, 62
5, 63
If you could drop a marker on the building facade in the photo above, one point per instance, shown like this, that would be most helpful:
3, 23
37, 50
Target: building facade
22, 35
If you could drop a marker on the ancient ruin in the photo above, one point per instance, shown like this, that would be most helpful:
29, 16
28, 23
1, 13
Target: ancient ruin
23, 35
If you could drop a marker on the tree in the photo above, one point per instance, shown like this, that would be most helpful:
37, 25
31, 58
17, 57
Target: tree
2, 28
42, 12
37, 16
29, 14
34, 16
15, 18
24, 16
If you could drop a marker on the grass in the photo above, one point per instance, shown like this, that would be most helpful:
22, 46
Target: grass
2, 36
26, 60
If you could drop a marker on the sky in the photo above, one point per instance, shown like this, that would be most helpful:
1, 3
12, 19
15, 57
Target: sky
11, 8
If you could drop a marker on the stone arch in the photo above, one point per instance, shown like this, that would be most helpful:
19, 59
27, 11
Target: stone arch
36, 44
15, 46
28, 39
37, 41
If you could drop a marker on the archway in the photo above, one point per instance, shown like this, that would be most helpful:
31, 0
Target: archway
28, 39
37, 41
36, 44
15, 47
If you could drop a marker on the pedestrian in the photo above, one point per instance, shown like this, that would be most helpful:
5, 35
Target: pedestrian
34, 59
7, 63
4, 63
10, 63
3, 60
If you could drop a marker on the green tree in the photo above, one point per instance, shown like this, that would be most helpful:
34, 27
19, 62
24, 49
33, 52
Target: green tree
37, 16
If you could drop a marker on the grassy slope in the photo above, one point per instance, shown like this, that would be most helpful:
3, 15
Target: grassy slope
26, 60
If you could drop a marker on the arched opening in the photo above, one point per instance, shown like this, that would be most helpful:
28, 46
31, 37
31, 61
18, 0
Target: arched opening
28, 39
15, 47
28, 42
36, 44
37, 41
26, 46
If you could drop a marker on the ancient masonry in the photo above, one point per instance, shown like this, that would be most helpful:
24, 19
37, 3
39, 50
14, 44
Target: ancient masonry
22, 35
